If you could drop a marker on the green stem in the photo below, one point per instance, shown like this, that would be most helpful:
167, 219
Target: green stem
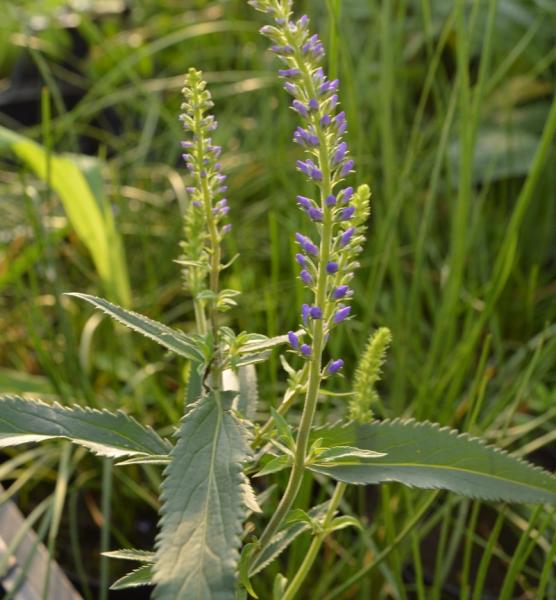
198, 305
106, 501
314, 548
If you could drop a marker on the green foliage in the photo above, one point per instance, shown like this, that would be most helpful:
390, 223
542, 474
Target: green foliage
105, 433
86, 207
141, 576
428, 456
291, 530
173, 340
452, 117
204, 497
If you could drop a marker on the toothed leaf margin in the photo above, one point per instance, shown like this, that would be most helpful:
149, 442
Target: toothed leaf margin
426, 455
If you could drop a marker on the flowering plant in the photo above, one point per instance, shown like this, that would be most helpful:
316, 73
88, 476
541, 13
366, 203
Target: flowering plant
214, 537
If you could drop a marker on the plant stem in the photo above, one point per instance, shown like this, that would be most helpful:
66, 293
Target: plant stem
106, 501
314, 548
198, 306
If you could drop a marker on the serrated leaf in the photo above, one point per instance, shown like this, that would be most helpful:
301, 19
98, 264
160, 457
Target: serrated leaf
139, 577
344, 455
131, 554
246, 553
203, 494
256, 342
252, 359
275, 465
173, 340
284, 538
104, 432
154, 459
428, 456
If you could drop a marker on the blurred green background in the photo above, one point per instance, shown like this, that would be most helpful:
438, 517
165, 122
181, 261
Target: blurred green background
452, 114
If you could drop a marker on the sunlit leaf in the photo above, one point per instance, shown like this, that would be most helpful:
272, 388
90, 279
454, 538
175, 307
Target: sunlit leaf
174, 340
104, 432
205, 495
428, 456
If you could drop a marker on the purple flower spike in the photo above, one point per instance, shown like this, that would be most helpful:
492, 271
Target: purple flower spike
294, 340
291, 88
342, 314
310, 248
306, 349
190, 189
316, 174
304, 202
301, 260
347, 213
332, 267
334, 366
340, 292
330, 200
227, 228
305, 313
315, 214
313, 104
347, 194
196, 204
346, 236
316, 312
288, 72
305, 276
300, 238
340, 153
346, 168
333, 102
304, 167
300, 108
325, 121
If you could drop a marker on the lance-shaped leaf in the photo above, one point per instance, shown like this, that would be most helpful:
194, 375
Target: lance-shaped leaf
174, 340
139, 577
104, 432
131, 554
426, 455
204, 494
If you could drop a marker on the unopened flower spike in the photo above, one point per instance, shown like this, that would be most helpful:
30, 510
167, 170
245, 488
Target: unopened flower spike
208, 207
